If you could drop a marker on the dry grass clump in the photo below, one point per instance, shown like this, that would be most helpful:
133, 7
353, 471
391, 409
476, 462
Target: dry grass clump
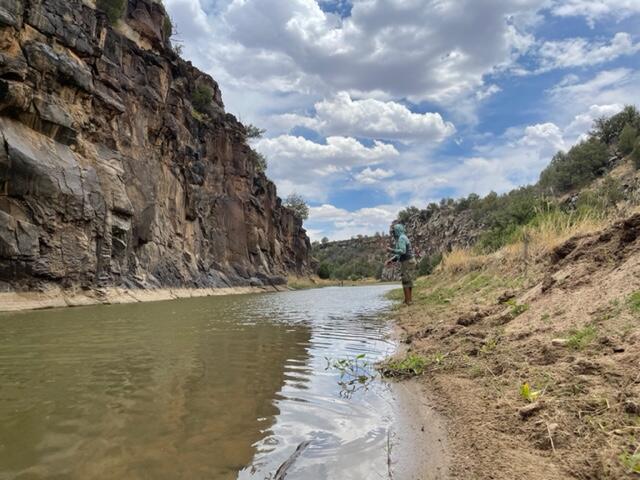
463, 260
553, 229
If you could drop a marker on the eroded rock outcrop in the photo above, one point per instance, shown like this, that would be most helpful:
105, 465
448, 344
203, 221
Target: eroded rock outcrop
436, 231
106, 175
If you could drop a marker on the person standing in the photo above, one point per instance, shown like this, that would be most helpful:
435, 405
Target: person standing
403, 253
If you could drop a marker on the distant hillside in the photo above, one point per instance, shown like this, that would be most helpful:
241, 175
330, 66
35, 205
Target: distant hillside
361, 257
578, 183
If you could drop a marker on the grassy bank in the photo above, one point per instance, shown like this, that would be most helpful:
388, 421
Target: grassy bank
532, 351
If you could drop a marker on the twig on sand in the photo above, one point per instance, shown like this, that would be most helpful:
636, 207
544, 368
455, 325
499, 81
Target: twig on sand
281, 473
553, 447
389, 470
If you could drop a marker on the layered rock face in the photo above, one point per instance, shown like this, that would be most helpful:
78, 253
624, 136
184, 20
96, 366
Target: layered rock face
107, 174
440, 231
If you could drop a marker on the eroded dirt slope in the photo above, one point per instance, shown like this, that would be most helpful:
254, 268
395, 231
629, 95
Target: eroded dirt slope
568, 326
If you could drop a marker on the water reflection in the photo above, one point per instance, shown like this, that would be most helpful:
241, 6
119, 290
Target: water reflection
216, 388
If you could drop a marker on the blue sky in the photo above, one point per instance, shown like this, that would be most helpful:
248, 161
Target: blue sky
373, 105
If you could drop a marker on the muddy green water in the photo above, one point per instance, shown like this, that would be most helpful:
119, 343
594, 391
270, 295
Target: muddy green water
210, 388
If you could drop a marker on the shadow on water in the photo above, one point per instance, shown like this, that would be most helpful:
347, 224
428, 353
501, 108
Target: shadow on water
216, 388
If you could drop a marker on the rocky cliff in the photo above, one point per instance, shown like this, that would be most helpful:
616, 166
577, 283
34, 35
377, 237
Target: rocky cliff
439, 230
109, 177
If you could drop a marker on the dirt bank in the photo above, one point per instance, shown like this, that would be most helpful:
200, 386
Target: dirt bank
535, 366
55, 297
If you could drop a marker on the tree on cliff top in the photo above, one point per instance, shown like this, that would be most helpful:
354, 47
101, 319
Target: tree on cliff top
296, 203
253, 132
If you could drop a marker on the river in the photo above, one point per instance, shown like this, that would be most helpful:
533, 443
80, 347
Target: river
215, 388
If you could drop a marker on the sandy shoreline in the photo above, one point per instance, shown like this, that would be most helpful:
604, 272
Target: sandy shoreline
56, 297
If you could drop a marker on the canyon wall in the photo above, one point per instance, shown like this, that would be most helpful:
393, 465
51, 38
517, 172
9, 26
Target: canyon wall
110, 177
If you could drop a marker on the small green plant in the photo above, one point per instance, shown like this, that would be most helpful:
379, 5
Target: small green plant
167, 26
201, 98
546, 318
355, 373
579, 339
517, 308
113, 8
631, 461
259, 159
197, 115
438, 358
634, 302
410, 366
528, 394
489, 346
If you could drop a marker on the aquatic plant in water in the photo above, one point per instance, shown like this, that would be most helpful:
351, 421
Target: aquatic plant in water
355, 373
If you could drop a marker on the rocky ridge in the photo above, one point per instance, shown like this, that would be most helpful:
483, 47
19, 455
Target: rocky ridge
108, 177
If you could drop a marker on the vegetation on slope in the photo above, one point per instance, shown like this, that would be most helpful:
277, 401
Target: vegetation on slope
561, 187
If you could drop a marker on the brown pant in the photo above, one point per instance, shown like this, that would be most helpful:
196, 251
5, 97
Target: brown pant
408, 272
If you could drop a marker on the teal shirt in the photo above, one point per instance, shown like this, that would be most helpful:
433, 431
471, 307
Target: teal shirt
403, 244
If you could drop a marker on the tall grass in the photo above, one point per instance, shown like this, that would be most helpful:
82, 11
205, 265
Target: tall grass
547, 230
462, 260
550, 229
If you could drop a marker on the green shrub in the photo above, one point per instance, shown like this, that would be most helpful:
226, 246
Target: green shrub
259, 160
428, 263
608, 130
635, 155
407, 213
113, 8
201, 98
576, 168
627, 139
296, 203
251, 131
602, 199
167, 26
324, 271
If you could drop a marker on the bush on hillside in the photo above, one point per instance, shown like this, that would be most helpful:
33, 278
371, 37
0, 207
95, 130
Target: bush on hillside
167, 26
627, 139
428, 264
259, 160
296, 203
407, 213
608, 130
635, 155
113, 8
324, 271
576, 168
253, 132
201, 98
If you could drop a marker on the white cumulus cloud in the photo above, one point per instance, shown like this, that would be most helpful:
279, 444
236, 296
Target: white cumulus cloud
370, 176
372, 118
